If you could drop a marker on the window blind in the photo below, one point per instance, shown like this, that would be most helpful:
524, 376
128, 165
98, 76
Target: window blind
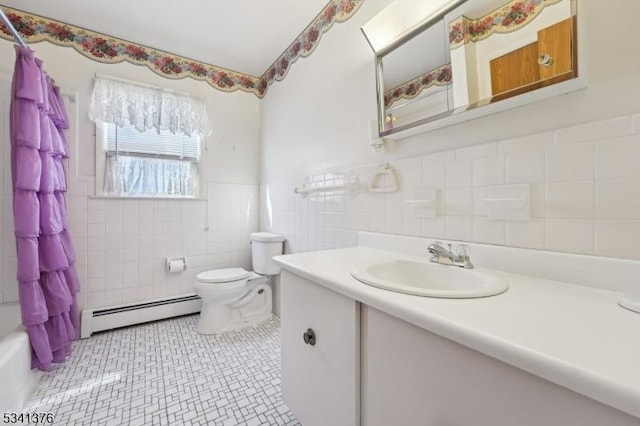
128, 140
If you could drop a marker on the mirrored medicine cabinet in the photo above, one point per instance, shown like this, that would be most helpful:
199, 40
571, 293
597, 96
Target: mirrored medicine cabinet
440, 62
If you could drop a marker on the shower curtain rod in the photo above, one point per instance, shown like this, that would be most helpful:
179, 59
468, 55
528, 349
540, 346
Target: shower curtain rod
12, 29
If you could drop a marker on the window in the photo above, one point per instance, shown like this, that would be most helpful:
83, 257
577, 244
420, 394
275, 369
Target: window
148, 139
147, 164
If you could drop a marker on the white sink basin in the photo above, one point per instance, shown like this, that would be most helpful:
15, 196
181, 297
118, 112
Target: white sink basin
423, 278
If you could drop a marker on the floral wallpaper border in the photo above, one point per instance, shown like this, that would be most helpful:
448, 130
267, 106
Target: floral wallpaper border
510, 17
440, 76
106, 49
308, 40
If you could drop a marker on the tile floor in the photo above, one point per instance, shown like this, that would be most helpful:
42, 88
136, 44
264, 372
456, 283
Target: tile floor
164, 373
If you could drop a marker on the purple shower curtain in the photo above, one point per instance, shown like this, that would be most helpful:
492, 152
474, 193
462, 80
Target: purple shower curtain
47, 278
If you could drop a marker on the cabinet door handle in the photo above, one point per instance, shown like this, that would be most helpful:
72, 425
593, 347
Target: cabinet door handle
310, 337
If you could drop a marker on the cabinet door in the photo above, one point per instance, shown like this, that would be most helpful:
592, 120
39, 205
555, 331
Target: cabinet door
320, 383
515, 69
555, 41
519, 71
411, 377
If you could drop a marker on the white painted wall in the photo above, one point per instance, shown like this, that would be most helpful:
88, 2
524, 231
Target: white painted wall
315, 122
121, 243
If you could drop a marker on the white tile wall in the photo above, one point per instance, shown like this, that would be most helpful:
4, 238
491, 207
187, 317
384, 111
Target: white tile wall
570, 235
525, 167
529, 234
618, 157
488, 231
122, 244
458, 202
458, 228
585, 192
459, 174
618, 198
477, 151
433, 175
598, 130
635, 124
570, 199
488, 171
535, 142
570, 162
618, 238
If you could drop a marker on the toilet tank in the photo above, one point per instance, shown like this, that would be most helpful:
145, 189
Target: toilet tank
265, 245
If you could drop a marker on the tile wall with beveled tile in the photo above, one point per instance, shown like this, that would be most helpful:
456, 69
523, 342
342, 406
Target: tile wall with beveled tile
585, 195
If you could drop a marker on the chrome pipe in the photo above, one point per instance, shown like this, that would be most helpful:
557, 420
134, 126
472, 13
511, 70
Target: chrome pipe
12, 29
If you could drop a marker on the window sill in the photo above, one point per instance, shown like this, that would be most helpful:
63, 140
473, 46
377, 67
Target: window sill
118, 197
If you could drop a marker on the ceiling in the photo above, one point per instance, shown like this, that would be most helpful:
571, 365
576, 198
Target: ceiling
241, 35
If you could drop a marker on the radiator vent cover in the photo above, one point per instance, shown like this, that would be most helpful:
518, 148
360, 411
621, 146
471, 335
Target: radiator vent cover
94, 320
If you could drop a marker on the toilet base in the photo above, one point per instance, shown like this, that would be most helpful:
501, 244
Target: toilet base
218, 318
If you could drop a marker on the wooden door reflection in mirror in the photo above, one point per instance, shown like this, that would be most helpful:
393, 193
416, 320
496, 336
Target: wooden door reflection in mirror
520, 46
547, 61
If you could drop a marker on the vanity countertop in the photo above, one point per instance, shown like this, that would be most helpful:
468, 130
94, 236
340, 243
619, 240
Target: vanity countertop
575, 336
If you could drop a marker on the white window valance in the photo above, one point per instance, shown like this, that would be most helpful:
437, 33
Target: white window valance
146, 107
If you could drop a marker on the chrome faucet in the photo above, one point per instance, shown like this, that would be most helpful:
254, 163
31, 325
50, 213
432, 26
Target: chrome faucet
447, 257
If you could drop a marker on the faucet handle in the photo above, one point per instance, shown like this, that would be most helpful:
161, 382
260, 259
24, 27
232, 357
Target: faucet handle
441, 244
463, 251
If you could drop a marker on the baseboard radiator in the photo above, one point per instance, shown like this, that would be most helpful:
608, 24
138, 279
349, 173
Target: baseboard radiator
94, 320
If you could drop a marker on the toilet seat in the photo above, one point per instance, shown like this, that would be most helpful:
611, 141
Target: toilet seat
221, 276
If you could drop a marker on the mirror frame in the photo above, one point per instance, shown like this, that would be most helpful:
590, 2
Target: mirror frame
399, 35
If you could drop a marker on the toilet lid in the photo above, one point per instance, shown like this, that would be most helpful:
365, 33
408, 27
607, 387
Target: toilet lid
266, 237
222, 275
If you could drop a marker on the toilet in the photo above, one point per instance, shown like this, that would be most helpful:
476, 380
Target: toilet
233, 297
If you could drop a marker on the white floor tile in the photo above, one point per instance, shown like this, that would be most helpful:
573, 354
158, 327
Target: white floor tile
164, 373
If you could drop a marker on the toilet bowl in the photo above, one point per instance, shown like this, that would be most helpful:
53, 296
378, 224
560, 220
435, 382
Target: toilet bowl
234, 297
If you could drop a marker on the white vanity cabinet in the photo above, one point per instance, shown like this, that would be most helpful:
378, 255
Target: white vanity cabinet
320, 381
544, 353
411, 376
370, 368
